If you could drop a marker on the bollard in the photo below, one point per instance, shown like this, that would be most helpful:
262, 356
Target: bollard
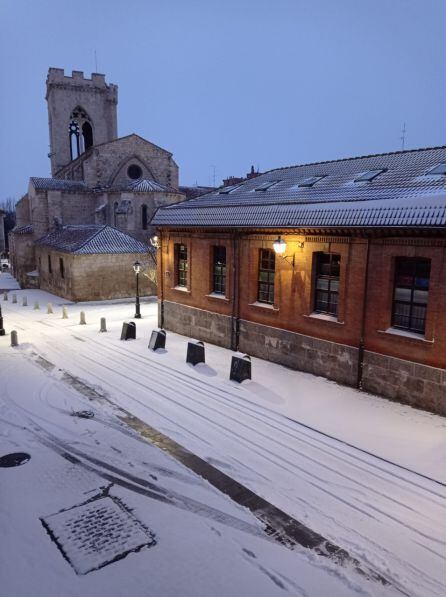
128, 331
64, 313
82, 319
49, 308
25, 301
5, 296
2, 329
36, 305
14, 338
240, 368
195, 352
157, 339
103, 325
14, 298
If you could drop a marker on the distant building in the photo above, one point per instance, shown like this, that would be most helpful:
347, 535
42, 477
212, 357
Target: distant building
2, 231
97, 178
336, 268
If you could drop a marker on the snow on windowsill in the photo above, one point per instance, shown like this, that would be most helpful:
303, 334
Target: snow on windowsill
264, 306
216, 295
405, 334
324, 317
181, 289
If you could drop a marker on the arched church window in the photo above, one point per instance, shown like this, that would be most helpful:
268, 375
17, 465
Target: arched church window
144, 217
80, 131
87, 133
134, 171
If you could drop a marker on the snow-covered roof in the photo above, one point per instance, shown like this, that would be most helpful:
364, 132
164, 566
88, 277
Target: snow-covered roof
58, 184
26, 229
325, 194
142, 185
90, 240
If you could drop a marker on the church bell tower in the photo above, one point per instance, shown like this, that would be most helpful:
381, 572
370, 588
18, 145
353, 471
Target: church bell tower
81, 113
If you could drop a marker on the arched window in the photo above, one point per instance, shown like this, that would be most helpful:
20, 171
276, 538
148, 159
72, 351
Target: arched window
87, 133
115, 216
144, 217
80, 131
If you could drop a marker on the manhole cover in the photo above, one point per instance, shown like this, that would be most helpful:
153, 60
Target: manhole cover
83, 414
97, 533
15, 459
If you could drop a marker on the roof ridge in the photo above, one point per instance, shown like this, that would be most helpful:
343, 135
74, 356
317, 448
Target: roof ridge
358, 157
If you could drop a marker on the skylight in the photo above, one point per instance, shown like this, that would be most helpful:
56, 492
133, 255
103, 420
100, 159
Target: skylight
439, 169
266, 185
370, 175
227, 190
309, 181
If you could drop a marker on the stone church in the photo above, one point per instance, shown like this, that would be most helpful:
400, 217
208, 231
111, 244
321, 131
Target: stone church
101, 184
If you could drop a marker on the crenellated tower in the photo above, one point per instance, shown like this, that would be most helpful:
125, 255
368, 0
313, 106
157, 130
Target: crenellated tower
81, 113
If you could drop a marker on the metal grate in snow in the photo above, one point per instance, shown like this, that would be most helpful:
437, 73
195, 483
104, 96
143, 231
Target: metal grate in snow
97, 533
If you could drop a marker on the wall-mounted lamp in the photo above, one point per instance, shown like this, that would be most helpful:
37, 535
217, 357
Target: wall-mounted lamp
155, 241
279, 246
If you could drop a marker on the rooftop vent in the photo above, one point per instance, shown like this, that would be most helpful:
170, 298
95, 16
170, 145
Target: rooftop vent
370, 175
227, 190
309, 181
439, 169
266, 185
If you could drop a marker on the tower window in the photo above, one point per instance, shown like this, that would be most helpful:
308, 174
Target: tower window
134, 171
87, 133
80, 132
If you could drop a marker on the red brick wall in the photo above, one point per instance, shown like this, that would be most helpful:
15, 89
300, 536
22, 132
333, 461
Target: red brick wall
294, 288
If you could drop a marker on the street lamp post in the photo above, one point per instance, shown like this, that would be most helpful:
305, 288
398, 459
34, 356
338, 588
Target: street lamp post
137, 269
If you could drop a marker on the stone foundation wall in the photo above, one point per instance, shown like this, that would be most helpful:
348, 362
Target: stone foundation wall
198, 323
412, 383
320, 357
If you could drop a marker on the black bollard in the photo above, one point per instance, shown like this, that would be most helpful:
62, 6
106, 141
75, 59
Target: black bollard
240, 368
2, 329
128, 331
195, 352
157, 339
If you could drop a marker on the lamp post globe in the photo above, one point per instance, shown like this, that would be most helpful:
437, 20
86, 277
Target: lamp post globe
279, 246
137, 269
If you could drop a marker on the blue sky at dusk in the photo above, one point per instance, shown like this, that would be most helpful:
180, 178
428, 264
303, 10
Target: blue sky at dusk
226, 84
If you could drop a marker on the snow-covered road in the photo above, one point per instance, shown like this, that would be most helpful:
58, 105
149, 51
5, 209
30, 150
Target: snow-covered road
384, 514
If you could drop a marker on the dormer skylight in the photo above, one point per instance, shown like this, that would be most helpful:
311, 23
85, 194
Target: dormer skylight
370, 175
227, 190
266, 185
439, 169
309, 181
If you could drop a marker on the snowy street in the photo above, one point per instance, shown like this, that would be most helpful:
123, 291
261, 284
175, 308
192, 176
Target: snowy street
365, 473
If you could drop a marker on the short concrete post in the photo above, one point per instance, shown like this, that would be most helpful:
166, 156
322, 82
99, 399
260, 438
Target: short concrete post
49, 308
64, 313
14, 298
36, 305
14, 338
82, 319
5, 296
25, 301
103, 325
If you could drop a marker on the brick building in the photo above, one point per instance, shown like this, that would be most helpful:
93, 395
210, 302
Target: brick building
335, 268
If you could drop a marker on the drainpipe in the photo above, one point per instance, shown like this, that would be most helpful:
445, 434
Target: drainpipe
235, 323
364, 313
161, 286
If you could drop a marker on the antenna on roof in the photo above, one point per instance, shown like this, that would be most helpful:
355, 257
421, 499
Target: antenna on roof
95, 61
403, 136
214, 169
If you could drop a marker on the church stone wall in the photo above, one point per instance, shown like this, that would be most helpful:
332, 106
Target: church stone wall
92, 277
108, 164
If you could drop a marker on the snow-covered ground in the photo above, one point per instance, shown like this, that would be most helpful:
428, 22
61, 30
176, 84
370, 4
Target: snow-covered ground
364, 472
